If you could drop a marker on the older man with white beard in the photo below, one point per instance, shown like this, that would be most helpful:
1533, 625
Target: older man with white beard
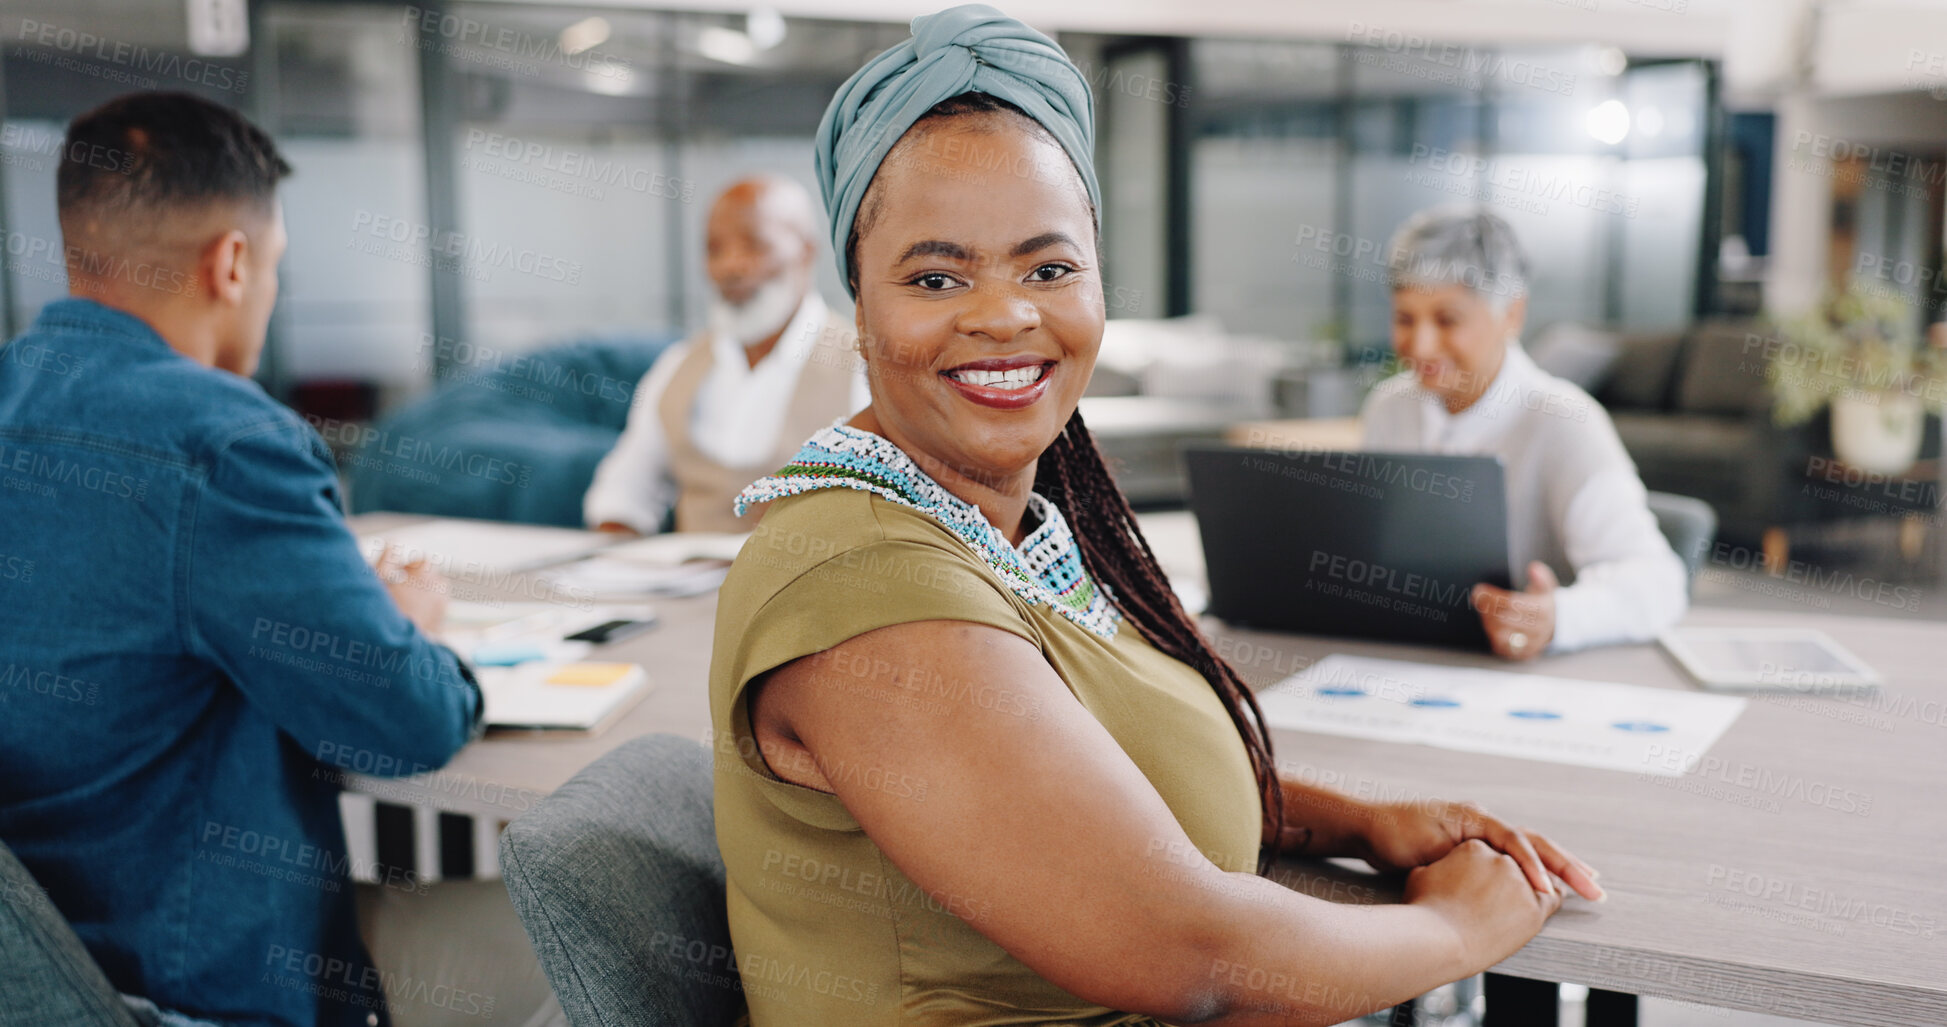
722, 409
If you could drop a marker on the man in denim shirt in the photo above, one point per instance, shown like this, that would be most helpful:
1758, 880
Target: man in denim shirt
192, 645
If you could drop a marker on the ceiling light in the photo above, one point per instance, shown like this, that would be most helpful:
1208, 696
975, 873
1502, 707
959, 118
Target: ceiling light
1608, 122
727, 45
765, 27
614, 80
586, 34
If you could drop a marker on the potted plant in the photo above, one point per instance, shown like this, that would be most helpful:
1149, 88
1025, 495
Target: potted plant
1860, 353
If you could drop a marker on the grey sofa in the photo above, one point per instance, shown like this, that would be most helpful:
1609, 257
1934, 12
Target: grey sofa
1694, 411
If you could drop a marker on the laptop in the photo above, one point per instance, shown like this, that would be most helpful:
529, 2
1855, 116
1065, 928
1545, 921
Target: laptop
1367, 545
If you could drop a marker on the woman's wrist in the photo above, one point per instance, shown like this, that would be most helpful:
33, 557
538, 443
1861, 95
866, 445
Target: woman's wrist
1446, 936
1323, 823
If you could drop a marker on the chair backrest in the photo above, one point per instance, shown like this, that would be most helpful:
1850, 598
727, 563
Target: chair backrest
617, 879
47, 978
1689, 524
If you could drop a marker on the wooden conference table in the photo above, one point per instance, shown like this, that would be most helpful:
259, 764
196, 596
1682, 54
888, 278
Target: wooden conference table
1801, 870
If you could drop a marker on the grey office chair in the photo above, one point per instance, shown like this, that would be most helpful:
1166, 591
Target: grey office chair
1689, 524
47, 978
617, 880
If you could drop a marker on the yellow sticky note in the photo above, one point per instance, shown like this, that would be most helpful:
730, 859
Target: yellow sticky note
595, 674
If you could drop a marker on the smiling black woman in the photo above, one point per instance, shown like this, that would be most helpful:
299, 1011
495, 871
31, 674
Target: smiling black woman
975, 765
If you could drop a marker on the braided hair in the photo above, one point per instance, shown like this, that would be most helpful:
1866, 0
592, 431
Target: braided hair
1073, 475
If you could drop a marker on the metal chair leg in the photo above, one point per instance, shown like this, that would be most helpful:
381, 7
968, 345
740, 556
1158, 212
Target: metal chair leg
1519, 1002
1609, 1009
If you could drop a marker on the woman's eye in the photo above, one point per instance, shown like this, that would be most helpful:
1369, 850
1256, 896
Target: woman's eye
934, 281
1049, 272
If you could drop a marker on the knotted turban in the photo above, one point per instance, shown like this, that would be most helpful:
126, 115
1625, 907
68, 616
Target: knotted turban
972, 48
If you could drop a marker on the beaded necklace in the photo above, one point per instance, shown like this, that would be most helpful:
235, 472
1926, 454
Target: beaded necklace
1046, 569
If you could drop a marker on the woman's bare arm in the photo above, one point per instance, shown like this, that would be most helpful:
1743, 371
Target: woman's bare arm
1041, 832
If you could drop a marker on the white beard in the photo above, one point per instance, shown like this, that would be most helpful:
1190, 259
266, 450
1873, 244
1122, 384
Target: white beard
765, 314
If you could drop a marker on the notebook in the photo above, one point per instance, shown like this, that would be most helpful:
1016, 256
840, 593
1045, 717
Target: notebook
584, 696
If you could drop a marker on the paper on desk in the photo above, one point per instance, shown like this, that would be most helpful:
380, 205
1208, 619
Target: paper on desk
464, 549
606, 577
677, 547
472, 626
1527, 716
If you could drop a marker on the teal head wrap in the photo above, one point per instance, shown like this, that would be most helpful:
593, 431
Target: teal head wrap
972, 48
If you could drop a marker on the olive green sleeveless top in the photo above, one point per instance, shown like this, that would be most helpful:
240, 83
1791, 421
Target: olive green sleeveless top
827, 931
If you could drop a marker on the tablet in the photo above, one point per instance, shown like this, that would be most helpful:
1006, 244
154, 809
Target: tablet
1768, 660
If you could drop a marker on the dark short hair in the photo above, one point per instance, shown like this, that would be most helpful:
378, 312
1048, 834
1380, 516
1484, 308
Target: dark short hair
150, 152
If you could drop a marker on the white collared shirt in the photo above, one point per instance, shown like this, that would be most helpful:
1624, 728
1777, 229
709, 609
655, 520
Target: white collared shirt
1574, 499
739, 411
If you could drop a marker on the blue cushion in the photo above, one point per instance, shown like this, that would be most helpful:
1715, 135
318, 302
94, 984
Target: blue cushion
517, 441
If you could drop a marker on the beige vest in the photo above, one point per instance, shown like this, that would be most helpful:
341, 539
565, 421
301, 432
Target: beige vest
705, 489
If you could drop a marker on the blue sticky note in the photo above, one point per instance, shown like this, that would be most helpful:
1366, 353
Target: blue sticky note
507, 654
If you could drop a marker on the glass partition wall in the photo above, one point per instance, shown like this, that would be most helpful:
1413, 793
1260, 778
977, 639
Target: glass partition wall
511, 175
1307, 156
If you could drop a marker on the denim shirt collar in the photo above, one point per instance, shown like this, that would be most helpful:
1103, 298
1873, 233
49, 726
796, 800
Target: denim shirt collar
78, 314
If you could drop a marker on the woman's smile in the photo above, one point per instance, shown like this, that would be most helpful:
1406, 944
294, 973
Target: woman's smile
1008, 383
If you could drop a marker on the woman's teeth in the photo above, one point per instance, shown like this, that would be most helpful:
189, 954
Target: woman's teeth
1014, 378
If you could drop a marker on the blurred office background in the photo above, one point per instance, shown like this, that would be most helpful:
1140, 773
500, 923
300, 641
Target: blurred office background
483, 179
